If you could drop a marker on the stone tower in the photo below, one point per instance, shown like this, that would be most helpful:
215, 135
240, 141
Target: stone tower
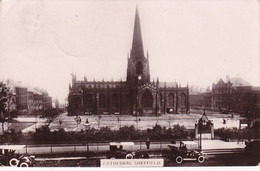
138, 71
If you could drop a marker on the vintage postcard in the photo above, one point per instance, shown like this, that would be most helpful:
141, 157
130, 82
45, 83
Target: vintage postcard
129, 83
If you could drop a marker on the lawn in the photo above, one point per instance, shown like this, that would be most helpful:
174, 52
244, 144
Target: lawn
116, 121
18, 126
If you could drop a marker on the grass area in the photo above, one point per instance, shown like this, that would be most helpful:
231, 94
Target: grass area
141, 122
19, 126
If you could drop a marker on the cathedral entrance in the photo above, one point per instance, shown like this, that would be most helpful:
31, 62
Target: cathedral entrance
147, 102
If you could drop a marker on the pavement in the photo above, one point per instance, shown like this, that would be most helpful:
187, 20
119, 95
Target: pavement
39, 122
213, 147
219, 144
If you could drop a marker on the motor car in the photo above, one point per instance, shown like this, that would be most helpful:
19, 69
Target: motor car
253, 148
125, 150
8, 157
188, 150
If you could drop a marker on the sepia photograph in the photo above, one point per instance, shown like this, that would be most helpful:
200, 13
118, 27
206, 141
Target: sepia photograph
129, 83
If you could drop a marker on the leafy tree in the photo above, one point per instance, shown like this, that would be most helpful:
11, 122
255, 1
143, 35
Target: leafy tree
126, 132
180, 132
50, 114
6, 99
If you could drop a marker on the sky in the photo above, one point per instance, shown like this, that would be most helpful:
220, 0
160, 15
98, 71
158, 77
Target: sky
194, 41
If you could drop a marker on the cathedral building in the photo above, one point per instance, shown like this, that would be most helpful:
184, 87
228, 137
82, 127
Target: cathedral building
137, 95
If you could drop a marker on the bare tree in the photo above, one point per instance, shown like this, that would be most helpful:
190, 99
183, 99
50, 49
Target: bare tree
6, 99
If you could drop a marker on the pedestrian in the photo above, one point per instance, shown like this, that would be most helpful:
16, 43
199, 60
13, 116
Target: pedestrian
148, 143
173, 141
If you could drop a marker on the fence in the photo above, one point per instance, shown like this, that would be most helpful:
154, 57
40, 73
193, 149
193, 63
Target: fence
99, 146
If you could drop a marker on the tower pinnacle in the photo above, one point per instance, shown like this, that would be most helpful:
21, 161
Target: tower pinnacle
137, 45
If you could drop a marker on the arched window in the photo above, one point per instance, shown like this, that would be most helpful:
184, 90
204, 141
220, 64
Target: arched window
115, 101
76, 101
139, 68
183, 99
127, 100
161, 100
147, 100
102, 101
88, 101
171, 99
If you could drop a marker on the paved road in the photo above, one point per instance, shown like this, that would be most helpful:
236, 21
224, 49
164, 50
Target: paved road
213, 160
208, 146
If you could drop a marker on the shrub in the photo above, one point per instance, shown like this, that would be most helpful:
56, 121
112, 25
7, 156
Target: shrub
232, 133
126, 133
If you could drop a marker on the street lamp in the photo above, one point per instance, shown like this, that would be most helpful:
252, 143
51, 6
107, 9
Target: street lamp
87, 125
119, 121
137, 121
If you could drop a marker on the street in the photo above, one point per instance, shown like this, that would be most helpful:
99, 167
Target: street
214, 160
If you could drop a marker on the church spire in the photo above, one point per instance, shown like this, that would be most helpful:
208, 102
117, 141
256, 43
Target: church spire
137, 45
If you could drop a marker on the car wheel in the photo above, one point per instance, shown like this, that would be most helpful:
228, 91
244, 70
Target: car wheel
129, 156
24, 164
179, 159
201, 159
146, 156
14, 162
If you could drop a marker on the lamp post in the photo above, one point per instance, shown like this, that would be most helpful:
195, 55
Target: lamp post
200, 125
118, 120
137, 121
87, 125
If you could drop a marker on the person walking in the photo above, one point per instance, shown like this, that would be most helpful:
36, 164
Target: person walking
148, 143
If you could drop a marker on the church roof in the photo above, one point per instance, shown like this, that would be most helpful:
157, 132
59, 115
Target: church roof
235, 81
168, 84
34, 91
238, 81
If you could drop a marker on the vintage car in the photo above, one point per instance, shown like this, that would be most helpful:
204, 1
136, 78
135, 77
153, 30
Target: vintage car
8, 157
253, 148
188, 150
124, 150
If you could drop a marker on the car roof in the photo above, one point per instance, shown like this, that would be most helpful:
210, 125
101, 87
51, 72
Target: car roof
12, 147
122, 143
190, 142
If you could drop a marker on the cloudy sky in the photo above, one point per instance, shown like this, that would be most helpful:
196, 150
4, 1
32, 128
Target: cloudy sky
198, 41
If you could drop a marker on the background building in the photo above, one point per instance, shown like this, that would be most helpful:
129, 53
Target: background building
221, 95
27, 99
21, 99
234, 95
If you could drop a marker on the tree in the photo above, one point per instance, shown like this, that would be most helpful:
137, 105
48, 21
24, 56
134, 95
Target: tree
6, 99
50, 114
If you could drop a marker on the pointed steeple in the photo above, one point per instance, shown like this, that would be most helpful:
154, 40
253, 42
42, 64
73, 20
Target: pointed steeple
137, 45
